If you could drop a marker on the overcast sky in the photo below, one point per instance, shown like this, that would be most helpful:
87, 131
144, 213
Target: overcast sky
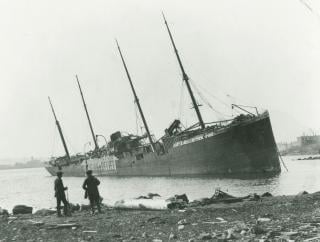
264, 53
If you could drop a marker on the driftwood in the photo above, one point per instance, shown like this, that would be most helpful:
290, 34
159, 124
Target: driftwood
62, 226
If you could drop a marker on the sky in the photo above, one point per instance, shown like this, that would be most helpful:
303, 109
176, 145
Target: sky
262, 53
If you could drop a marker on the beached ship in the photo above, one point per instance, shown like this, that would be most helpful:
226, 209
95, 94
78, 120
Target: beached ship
239, 146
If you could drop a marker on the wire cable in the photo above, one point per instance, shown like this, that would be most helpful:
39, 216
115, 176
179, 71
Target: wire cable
206, 101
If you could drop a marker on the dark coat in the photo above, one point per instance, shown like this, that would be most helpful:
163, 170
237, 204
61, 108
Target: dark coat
91, 186
59, 188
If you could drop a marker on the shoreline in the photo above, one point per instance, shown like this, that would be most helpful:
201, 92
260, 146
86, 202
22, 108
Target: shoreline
280, 217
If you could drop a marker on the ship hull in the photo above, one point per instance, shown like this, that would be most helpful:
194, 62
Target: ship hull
69, 171
245, 148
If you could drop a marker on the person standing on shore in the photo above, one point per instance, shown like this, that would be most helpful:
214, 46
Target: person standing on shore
90, 186
60, 195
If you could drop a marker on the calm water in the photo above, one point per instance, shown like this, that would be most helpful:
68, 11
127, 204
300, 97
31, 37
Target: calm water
34, 187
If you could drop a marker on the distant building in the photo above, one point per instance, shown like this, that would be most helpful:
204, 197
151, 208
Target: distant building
307, 140
305, 145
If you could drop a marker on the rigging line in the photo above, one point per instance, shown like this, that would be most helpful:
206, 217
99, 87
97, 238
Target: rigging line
309, 7
201, 96
224, 103
203, 76
236, 110
139, 126
69, 143
206, 101
240, 100
136, 117
181, 100
209, 104
213, 96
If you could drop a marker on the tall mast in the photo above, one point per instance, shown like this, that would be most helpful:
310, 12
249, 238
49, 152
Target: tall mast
60, 131
136, 99
185, 77
96, 147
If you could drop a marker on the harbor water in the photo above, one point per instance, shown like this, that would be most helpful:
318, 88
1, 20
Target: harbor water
34, 186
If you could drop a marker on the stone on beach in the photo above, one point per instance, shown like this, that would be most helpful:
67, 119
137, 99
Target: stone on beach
181, 227
257, 230
253, 197
302, 193
262, 220
182, 222
45, 212
291, 234
177, 201
182, 197
172, 236
4, 211
205, 236
266, 194
22, 209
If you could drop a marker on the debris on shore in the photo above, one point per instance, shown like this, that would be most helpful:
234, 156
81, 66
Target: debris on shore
310, 158
268, 218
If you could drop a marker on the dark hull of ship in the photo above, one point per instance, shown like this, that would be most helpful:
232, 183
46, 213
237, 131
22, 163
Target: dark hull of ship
245, 148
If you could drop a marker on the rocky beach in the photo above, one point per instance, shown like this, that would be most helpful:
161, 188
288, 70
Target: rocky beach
279, 218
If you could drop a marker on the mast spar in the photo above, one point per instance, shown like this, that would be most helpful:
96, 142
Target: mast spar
96, 147
136, 99
185, 76
60, 131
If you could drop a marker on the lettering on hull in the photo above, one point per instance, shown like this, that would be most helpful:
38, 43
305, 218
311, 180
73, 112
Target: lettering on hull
193, 139
103, 165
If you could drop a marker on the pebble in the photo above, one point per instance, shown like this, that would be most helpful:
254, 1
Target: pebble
172, 236
258, 230
182, 222
230, 234
205, 236
262, 220
180, 227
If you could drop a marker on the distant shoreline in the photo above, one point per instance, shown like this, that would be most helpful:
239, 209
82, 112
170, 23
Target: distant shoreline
18, 168
18, 165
